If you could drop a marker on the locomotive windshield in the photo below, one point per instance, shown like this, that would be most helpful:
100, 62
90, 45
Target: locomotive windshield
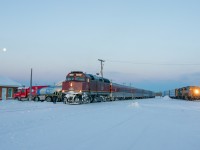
75, 77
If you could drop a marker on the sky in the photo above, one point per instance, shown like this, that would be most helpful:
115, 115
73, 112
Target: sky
150, 44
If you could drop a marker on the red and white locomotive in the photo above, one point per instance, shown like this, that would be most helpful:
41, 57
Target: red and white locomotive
81, 88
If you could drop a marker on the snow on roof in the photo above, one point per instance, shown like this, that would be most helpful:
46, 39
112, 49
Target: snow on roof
5, 81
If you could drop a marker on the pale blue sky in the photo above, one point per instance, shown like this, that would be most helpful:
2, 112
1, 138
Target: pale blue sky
55, 37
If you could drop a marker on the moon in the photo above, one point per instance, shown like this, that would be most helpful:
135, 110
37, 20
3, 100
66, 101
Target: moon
4, 49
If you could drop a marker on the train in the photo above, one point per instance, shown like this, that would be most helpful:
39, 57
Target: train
185, 93
80, 87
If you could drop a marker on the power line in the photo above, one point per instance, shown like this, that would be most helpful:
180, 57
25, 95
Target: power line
147, 63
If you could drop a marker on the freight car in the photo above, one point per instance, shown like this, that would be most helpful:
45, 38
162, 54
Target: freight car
187, 93
81, 88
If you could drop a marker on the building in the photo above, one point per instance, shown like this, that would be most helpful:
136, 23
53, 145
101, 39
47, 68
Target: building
7, 88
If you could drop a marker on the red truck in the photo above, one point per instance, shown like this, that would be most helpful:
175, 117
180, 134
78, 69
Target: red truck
23, 93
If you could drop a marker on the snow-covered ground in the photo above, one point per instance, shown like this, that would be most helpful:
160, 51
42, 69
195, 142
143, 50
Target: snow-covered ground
149, 124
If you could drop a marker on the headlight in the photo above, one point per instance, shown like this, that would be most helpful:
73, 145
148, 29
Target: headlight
196, 91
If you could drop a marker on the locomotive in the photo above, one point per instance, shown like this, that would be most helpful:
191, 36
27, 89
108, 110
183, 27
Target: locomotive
81, 88
186, 93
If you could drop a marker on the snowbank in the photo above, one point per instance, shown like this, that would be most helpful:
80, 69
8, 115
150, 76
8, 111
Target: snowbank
134, 104
166, 98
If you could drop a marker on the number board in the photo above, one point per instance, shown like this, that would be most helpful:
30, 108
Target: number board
79, 74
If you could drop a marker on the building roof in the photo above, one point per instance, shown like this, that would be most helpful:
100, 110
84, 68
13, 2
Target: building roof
59, 83
5, 81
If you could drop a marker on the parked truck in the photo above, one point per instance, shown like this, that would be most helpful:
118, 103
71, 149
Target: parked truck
50, 94
23, 93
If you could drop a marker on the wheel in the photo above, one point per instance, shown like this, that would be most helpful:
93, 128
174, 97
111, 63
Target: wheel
16, 98
98, 99
87, 99
48, 99
77, 100
92, 99
103, 99
36, 99
95, 99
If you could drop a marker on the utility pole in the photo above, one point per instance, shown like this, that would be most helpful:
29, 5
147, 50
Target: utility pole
30, 98
101, 67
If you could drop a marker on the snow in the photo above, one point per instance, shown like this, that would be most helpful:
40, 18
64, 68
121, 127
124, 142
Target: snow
143, 124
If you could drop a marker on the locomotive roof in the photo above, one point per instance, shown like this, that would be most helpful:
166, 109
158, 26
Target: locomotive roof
94, 77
